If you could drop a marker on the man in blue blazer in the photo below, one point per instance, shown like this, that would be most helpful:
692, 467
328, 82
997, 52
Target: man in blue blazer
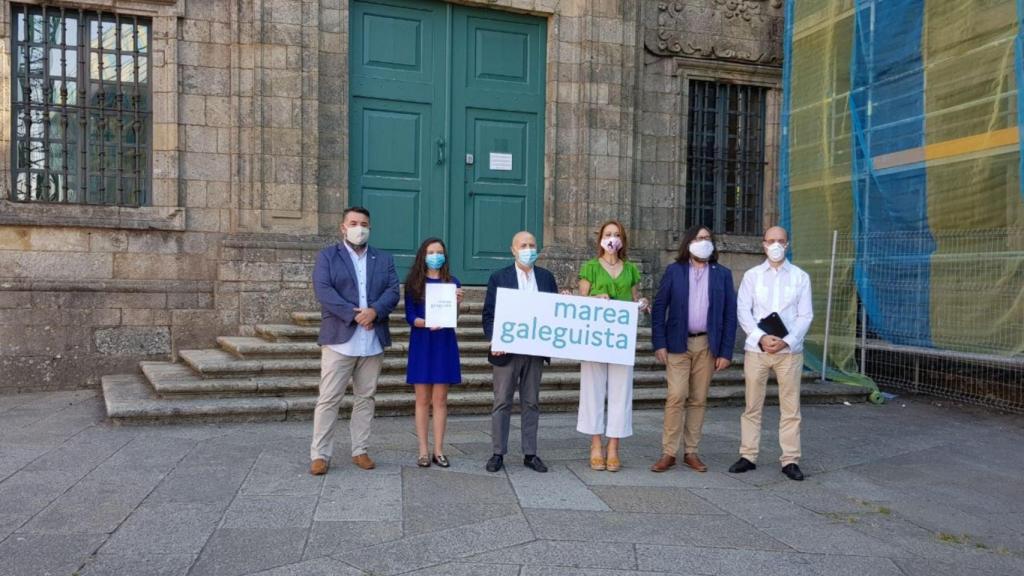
693, 325
357, 288
516, 371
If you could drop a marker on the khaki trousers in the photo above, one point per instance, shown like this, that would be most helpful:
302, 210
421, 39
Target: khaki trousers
788, 369
689, 376
335, 372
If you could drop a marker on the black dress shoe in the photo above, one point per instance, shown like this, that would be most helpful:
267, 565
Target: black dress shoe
535, 463
742, 465
441, 460
792, 471
495, 463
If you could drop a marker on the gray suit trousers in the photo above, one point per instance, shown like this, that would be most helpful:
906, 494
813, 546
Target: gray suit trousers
523, 374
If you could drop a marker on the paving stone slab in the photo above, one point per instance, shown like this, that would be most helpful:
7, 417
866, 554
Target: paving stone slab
213, 486
559, 488
333, 538
138, 565
237, 551
277, 474
46, 555
655, 500
706, 530
180, 529
363, 496
317, 567
562, 571
93, 505
467, 569
564, 553
434, 548
270, 512
726, 562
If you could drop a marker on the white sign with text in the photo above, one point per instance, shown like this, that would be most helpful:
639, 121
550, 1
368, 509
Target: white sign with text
442, 306
557, 326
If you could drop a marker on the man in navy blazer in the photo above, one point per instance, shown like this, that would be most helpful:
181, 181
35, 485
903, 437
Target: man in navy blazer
357, 288
693, 326
516, 371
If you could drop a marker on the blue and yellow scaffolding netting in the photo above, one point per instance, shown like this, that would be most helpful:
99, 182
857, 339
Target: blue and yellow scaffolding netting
902, 129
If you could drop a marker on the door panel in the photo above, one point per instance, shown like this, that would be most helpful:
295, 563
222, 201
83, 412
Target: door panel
396, 114
430, 83
497, 112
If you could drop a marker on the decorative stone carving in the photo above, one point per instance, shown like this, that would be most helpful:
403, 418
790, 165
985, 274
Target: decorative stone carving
745, 9
738, 30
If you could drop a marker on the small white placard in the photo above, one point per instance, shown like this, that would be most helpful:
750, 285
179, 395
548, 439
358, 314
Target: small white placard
501, 161
559, 326
442, 306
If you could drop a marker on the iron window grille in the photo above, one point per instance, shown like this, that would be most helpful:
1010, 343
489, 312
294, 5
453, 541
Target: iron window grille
725, 157
81, 106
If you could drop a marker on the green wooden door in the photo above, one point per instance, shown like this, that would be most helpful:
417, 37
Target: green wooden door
497, 118
446, 128
397, 120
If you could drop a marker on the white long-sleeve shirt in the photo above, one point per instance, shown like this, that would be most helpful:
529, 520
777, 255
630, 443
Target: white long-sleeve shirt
786, 290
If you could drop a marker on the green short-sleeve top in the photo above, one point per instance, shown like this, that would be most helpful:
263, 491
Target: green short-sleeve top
601, 282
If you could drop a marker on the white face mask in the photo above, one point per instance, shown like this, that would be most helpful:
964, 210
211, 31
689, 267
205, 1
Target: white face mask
702, 249
776, 252
357, 235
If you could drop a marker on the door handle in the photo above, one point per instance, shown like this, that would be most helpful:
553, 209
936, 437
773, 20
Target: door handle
440, 151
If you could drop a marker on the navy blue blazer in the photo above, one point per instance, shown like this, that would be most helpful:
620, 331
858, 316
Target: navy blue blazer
337, 290
670, 315
507, 278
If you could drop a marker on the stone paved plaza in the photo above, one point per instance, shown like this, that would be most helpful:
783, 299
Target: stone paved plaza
914, 487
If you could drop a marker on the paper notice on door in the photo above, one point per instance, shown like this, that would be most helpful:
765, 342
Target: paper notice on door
442, 306
500, 161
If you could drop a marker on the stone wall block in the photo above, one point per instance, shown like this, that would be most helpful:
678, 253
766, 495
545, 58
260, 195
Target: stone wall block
146, 266
55, 265
133, 341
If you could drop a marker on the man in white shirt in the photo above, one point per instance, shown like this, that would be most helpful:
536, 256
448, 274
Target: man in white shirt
780, 287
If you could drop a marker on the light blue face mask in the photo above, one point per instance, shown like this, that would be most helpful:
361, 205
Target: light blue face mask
527, 256
435, 261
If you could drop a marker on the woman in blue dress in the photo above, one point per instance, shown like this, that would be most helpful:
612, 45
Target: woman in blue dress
433, 352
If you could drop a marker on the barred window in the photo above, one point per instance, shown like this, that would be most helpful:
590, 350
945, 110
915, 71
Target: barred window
81, 105
725, 157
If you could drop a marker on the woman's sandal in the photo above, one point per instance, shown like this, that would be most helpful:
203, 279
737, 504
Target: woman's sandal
441, 460
597, 461
613, 464
423, 462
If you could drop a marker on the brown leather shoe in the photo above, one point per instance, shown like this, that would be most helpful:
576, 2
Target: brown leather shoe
364, 462
318, 467
664, 463
694, 462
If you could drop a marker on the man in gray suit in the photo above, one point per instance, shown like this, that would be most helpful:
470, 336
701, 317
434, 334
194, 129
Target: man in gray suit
516, 371
357, 288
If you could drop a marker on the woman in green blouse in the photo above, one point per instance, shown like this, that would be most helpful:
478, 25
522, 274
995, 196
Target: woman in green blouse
610, 276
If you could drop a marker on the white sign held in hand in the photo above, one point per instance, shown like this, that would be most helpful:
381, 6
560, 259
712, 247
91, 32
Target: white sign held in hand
442, 306
559, 326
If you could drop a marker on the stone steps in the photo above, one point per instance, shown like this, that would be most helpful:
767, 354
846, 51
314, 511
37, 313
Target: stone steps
274, 375
399, 331
235, 357
130, 399
173, 379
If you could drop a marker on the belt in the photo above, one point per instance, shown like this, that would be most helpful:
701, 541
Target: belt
695, 334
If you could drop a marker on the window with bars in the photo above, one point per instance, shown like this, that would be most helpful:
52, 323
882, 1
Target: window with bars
725, 157
81, 105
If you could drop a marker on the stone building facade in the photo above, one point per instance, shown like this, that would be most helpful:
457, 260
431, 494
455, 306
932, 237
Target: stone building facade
249, 155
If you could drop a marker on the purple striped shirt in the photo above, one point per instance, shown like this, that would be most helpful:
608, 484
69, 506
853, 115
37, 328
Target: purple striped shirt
697, 314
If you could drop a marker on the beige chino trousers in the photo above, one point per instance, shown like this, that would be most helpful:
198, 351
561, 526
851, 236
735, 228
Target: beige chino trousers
689, 377
757, 366
336, 370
